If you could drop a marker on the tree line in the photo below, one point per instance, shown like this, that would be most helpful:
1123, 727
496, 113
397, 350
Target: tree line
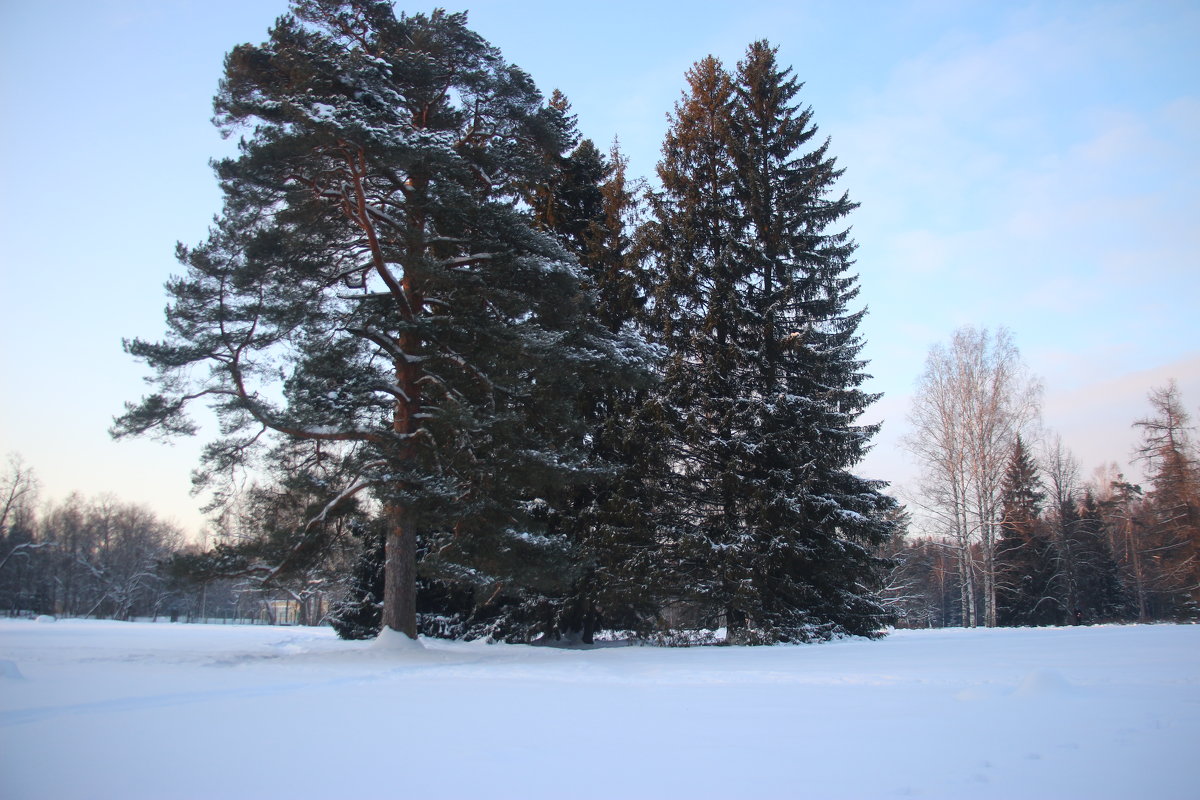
99, 557
1004, 532
501, 388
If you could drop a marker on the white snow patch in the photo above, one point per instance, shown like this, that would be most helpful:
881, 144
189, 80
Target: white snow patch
390, 641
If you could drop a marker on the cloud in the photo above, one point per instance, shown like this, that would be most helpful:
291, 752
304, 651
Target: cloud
1043, 179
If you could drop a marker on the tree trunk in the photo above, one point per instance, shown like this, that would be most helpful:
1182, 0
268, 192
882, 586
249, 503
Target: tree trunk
989, 573
400, 573
967, 587
400, 546
589, 623
1135, 558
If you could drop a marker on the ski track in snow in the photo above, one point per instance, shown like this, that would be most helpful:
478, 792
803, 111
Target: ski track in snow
141, 710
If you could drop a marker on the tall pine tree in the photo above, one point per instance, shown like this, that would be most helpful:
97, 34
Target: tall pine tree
373, 280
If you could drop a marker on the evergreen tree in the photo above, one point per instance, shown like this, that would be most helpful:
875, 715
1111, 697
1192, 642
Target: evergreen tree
613, 517
374, 281
1126, 516
568, 201
1090, 589
1026, 572
1087, 575
766, 525
591, 205
1098, 593
359, 612
809, 378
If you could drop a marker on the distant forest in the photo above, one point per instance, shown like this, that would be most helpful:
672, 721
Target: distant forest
1003, 529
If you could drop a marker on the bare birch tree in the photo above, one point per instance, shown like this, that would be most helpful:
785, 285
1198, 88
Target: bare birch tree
972, 400
1061, 471
18, 485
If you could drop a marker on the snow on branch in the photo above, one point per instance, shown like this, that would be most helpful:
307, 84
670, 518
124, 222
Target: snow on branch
464, 261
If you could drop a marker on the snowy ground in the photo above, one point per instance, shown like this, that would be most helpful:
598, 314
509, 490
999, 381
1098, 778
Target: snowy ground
118, 710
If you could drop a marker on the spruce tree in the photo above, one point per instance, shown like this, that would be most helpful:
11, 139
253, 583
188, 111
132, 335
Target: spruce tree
1087, 575
612, 517
809, 384
373, 280
767, 524
1099, 595
359, 612
590, 205
1026, 572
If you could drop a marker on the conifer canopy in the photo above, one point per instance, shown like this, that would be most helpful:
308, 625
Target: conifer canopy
373, 281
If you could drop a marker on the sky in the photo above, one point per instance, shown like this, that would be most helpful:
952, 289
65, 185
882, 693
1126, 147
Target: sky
1028, 165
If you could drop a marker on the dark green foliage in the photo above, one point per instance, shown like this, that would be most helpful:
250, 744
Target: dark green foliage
765, 525
423, 268
590, 206
359, 612
1026, 570
373, 281
1095, 587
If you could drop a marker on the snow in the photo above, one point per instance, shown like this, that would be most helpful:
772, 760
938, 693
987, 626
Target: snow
390, 641
138, 710
323, 112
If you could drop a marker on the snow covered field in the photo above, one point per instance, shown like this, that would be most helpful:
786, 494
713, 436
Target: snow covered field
118, 710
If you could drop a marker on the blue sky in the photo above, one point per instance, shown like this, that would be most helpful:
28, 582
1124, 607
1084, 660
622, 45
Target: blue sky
1033, 165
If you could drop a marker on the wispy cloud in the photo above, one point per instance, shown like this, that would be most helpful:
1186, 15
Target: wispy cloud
1043, 178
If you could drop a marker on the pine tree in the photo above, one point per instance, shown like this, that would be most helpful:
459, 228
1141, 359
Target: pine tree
1026, 586
374, 281
767, 525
